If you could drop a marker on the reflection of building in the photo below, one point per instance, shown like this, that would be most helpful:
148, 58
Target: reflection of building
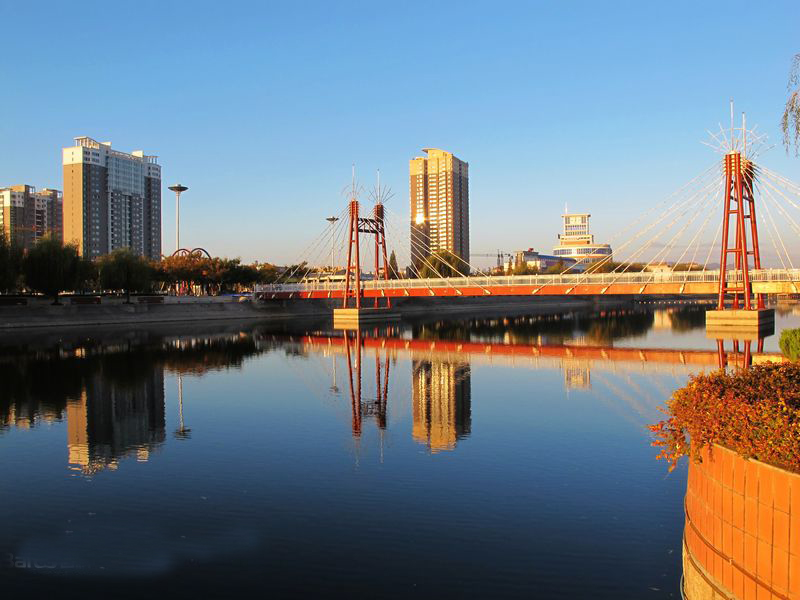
111, 200
577, 243
439, 205
441, 403
114, 420
577, 375
27, 215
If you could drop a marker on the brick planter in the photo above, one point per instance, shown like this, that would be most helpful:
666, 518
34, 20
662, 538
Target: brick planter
742, 533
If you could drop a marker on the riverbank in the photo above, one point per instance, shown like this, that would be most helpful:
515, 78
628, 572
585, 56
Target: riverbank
68, 315
39, 313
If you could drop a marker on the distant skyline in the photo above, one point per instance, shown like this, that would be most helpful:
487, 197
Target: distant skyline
262, 108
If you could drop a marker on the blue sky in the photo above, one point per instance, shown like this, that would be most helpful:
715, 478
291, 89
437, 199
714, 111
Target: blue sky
261, 108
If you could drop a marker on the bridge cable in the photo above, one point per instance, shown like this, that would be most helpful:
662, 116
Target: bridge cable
683, 206
429, 240
672, 241
768, 195
769, 233
313, 245
433, 268
640, 218
677, 205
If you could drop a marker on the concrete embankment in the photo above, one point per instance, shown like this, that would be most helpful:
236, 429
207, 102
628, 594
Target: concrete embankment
40, 313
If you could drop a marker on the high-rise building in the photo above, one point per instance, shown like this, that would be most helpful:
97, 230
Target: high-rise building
439, 206
575, 242
111, 199
27, 215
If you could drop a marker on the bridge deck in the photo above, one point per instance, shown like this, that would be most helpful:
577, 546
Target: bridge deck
765, 281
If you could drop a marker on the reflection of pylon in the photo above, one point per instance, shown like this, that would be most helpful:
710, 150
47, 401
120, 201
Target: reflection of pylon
353, 348
374, 226
741, 359
738, 207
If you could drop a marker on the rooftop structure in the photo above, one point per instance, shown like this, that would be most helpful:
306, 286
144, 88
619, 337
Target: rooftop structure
576, 241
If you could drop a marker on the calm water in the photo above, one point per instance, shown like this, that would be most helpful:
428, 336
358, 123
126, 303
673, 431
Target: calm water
488, 458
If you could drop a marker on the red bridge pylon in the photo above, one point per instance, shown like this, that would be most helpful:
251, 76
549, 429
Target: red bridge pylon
375, 227
738, 209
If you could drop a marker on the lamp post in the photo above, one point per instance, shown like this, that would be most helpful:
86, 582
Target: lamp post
332, 220
178, 189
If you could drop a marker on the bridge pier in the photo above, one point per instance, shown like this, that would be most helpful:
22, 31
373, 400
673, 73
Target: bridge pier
353, 318
759, 321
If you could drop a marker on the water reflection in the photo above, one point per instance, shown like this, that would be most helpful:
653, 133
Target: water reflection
115, 417
111, 393
441, 403
111, 389
534, 423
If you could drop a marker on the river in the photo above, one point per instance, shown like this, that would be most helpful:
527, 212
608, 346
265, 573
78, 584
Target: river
481, 458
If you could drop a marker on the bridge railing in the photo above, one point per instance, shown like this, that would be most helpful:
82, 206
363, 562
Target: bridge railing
570, 279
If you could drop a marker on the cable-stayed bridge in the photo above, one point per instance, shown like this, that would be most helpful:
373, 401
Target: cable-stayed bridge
678, 229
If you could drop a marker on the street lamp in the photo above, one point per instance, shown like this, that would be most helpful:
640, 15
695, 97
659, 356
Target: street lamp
332, 220
178, 188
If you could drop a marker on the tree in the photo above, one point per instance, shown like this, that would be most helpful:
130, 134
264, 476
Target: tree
10, 264
87, 275
394, 271
51, 267
441, 264
555, 269
124, 270
790, 122
522, 268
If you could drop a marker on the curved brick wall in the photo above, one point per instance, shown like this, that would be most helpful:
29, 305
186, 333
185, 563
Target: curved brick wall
742, 534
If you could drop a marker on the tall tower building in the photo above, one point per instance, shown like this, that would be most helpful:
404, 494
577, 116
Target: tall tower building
27, 215
111, 199
439, 205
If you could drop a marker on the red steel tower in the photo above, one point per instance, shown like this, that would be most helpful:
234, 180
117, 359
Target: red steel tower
374, 226
738, 210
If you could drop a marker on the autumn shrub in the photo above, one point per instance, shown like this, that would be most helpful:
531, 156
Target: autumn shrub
755, 412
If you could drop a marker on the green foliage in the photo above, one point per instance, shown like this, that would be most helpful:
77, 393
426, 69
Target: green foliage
51, 267
124, 270
394, 271
215, 275
790, 343
607, 266
755, 412
88, 276
522, 268
442, 264
555, 269
10, 264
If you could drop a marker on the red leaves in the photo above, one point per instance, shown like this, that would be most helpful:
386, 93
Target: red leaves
754, 412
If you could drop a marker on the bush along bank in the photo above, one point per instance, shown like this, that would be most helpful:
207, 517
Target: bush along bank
754, 412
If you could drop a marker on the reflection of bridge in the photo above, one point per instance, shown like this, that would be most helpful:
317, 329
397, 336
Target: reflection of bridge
453, 350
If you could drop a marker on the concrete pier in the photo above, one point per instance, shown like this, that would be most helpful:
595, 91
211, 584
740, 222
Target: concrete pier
353, 318
746, 321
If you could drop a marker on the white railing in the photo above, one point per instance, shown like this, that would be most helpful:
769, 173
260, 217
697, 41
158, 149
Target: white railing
572, 279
